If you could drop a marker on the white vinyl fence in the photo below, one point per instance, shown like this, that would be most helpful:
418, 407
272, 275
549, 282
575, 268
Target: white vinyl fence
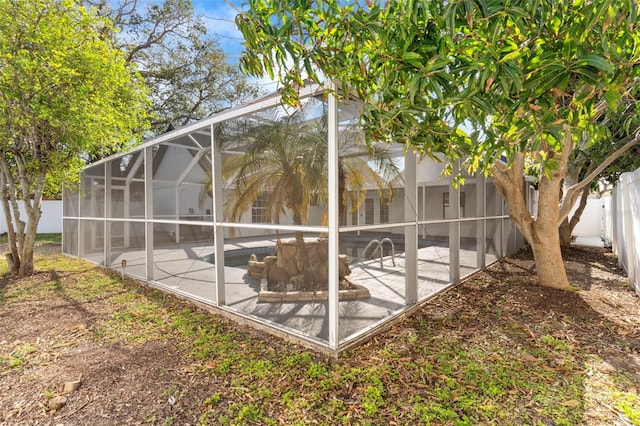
625, 226
591, 220
50, 222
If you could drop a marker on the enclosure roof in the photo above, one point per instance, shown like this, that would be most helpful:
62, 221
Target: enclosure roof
269, 100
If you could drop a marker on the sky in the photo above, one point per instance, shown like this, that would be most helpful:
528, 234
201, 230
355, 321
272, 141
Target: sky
219, 17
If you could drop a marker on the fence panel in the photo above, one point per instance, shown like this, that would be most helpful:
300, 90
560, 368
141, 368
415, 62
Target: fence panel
627, 226
50, 222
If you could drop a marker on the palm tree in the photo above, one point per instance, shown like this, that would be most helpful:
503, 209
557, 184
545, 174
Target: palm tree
285, 157
281, 159
360, 164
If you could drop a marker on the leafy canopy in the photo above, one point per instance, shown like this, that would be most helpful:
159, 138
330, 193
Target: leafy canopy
184, 67
64, 90
284, 160
520, 77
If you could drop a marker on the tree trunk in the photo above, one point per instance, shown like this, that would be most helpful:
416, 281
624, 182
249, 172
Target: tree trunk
541, 232
11, 263
564, 231
547, 257
545, 238
29, 241
12, 257
569, 224
21, 235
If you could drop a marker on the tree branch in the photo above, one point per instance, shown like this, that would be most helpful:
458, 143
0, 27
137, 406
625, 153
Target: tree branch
508, 182
573, 190
578, 213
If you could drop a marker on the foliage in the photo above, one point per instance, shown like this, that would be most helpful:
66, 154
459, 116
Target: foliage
64, 91
616, 130
524, 78
184, 67
282, 156
615, 147
282, 160
424, 68
286, 158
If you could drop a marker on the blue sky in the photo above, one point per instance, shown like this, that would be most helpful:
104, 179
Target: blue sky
219, 16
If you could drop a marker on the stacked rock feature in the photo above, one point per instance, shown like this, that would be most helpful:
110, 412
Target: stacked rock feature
283, 273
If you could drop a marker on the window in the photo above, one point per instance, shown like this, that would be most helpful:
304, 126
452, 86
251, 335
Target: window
384, 210
368, 211
354, 216
445, 205
259, 211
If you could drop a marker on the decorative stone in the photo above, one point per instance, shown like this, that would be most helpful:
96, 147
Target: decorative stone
342, 271
283, 273
352, 292
277, 275
291, 267
323, 251
71, 386
323, 276
343, 266
297, 280
256, 269
253, 258
289, 251
57, 402
311, 251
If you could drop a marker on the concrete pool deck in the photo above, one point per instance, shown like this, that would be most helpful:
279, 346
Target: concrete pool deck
178, 268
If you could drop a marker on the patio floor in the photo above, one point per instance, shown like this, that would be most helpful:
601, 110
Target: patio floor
180, 268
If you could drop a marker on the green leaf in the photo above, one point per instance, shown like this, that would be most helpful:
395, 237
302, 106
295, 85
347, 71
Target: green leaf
555, 24
411, 56
511, 56
414, 87
595, 61
568, 47
612, 98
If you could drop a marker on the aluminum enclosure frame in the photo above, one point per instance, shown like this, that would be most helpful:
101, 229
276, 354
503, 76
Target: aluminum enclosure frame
90, 223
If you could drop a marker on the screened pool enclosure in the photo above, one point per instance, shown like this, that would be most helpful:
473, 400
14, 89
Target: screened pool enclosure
284, 218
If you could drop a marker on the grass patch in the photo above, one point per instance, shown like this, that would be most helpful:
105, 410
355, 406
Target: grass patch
54, 238
19, 356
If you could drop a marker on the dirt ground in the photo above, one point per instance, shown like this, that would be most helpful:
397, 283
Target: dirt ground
130, 383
